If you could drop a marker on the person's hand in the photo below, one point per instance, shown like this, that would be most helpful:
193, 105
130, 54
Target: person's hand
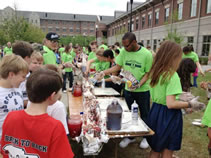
68, 65
186, 96
116, 80
100, 76
196, 105
202, 73
203, 85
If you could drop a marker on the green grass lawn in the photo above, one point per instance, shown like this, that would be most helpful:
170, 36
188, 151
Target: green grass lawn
194, 143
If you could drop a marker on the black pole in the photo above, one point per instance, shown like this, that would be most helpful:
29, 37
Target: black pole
131, 4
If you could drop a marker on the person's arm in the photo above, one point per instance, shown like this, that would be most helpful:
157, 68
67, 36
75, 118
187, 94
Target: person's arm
208, 70
199, 67
172, 103
144, 79
113, 69
88, 65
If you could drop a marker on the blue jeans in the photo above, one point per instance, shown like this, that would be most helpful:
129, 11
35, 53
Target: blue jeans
142, 99
195, 81
68, 75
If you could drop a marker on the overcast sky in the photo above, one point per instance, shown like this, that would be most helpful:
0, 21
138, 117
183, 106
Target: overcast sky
93, 7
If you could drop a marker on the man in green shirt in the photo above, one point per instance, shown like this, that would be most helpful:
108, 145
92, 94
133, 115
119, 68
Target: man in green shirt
50, 45
8, 49
138, 61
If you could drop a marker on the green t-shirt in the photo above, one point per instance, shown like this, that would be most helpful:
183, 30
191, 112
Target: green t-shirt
61, 50
101, 65
49, 56
7, 50
67, 58
105, 47
138, 63
206, 120
73, 54
92, 55
191, 55
169, 87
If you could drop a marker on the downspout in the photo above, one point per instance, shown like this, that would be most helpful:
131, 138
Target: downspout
152, 21
198, 26
172, 11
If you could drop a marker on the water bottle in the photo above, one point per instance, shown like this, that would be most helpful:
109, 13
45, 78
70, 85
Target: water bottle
103, 83
134, 112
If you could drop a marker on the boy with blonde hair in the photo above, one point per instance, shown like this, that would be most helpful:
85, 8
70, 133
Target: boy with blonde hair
36, 61
13, 70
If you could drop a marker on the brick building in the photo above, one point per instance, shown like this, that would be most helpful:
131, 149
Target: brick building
152, 19
63, 24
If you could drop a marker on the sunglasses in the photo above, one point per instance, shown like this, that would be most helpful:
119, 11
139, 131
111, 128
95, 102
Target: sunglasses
54, 41
129, 44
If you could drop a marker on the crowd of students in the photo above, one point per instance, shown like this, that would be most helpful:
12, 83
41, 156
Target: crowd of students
40, 130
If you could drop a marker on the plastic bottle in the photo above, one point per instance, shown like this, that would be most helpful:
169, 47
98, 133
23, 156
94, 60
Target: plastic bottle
134, 112
103, 83
114, 116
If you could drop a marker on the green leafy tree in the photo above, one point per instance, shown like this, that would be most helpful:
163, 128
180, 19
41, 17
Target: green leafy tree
79, 39
173, 34
17, 28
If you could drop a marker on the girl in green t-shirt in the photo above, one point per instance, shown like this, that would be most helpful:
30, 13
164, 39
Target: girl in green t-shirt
165, 116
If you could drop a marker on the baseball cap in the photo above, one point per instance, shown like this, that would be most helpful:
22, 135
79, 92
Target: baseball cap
52, 36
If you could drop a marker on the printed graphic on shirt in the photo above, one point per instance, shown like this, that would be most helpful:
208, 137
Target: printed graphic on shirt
11, 102
16, 152
133, 64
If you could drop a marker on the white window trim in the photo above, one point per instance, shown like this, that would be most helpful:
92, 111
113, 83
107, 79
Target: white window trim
179, 1
167, 6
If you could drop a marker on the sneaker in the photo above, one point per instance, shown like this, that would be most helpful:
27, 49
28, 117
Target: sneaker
64, 91
124, 143
144, 144
70, 89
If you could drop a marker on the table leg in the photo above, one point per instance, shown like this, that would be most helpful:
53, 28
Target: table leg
116, 149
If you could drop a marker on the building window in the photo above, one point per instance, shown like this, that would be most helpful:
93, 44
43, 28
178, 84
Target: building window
91, 31
166, 18
180, 9
128, 26
148, 42
143, 21
112, 32
57, 29
154, 44
206, 45
142, 41
136, 24
49, 29
156, 17
71, 29
132, 26
193, 8
208, 6
190, 40
64, 30
77, 30
149, 19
